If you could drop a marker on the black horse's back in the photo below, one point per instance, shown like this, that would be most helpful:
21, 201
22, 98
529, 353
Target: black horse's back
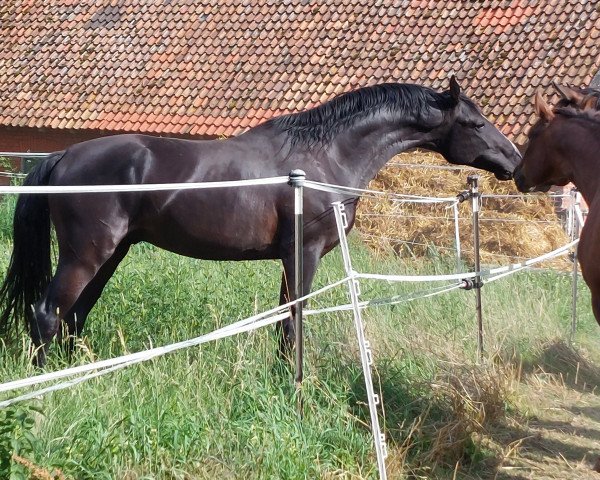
30, 267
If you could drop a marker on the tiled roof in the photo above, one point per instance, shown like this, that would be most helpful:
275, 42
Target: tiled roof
218, 67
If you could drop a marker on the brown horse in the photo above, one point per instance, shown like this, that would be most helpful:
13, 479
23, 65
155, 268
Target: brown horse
344, 141
564, 147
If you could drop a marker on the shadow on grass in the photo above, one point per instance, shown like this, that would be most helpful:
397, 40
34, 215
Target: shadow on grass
554, 448
456, 423
433, 425
593, 412
575, 370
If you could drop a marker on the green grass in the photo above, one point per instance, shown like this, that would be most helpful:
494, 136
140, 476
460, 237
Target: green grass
228, 409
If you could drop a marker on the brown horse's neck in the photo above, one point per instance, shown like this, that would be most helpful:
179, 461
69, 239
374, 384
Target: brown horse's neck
581, 150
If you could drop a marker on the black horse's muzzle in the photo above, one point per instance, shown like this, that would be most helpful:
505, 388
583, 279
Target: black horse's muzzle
500, 165
520, 181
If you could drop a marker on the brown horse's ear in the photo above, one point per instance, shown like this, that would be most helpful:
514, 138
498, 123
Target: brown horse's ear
542, 109
454, 89
590, 102
570, 94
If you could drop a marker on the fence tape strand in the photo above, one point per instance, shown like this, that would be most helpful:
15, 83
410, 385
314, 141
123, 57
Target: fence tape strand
146, 187
339, 189
231, 329
500, 272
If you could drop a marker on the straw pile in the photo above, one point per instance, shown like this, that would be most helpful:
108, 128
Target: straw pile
510, 229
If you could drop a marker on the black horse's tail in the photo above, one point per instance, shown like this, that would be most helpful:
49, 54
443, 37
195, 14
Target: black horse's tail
30, 266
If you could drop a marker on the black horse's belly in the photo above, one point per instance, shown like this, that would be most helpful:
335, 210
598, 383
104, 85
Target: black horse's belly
205, 249
214, 225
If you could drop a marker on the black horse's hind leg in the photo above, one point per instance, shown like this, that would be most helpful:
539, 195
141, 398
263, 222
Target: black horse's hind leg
76, 317
286, 330
62, 292
74, 273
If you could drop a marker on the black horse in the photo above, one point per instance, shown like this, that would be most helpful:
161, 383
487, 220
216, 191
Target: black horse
344, 141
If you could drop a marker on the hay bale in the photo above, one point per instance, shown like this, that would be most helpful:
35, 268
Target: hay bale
511, 229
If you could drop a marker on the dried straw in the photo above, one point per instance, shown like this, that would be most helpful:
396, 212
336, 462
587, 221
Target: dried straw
511, 229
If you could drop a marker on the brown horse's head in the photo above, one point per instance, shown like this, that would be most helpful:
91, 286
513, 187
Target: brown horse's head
543, 163
580, 98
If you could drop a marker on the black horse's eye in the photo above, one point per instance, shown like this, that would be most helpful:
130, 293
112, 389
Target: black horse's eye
472, 124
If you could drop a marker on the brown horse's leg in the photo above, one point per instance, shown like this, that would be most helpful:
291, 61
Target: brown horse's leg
286, 328
596, 303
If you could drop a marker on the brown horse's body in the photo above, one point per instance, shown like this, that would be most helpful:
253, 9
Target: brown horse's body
344, 141
564, 147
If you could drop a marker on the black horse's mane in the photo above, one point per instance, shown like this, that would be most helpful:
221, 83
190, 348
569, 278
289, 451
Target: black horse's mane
322, 123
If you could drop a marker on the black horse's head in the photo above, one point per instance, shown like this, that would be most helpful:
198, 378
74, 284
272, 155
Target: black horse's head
470, 139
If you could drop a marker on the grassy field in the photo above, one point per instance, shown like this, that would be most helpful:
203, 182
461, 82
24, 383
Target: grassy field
228, 409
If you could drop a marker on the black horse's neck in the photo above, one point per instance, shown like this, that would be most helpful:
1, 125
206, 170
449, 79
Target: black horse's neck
370, 144
363, 129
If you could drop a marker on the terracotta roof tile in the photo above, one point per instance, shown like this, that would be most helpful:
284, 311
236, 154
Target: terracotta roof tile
218, 68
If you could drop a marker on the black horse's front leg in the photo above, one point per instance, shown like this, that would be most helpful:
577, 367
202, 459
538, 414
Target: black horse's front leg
286, 329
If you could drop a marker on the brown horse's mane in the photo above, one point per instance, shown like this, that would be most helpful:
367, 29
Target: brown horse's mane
591, 115
591, 97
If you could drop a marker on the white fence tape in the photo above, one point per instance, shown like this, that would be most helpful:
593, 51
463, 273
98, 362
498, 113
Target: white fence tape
493, 273
114, 364
96, 369
25, 154
526, 196
417, 278
266, 318
146, 187
500, 272
12, 175
382, 302
339, 189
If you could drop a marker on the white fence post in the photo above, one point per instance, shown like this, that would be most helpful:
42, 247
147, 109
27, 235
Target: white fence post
297, 178
575, 226
366, 354
457, 237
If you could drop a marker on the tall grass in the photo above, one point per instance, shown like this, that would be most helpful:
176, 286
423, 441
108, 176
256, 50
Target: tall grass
228, 409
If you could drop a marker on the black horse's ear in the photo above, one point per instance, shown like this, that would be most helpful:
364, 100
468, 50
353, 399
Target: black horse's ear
568, 93
454, 89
